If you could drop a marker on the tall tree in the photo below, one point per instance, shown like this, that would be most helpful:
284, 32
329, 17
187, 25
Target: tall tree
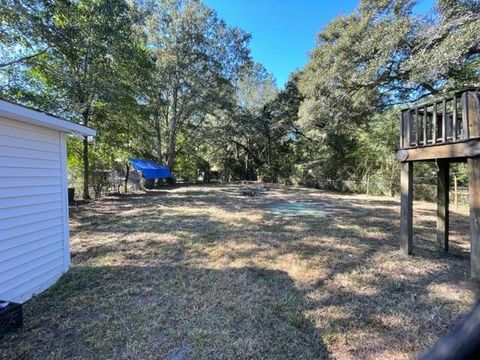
380, 55
198, 58
383, 53
256, 89
259, 138
92, 61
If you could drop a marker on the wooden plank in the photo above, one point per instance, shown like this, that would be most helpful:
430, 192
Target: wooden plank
465, 116
443, 187
425, 125
464, 149
434, 122
406, 209
405, 129
473, 109
444, 122
417, 127
454, 118
474, 199
402, 129
409, 129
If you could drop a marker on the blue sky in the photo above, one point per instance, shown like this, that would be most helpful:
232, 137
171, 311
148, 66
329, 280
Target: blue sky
283, 31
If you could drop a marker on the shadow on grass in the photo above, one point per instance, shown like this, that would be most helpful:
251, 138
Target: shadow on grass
349, 219
365, 290
149, 312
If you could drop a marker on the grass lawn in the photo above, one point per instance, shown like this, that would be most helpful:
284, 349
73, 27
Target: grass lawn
203, 272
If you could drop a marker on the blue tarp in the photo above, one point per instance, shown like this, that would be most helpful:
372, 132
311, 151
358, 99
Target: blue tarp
150, 169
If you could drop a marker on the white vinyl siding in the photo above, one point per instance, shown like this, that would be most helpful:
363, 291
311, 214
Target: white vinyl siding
33, 209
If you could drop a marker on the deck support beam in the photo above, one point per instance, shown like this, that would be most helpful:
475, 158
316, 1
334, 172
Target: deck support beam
406, 211
474, 198
443, 187
459, 150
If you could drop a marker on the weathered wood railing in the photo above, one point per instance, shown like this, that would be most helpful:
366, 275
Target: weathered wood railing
445, 131
449, 120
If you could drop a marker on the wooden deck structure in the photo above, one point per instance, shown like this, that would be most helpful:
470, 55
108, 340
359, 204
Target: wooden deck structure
444, 131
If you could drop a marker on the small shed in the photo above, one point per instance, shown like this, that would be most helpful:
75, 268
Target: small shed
34, 235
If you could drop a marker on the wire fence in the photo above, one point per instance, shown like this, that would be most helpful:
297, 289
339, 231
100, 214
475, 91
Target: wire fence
426, 191
424, 188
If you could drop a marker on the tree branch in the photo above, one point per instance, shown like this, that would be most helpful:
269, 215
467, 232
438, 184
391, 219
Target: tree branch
22, 59
257, 160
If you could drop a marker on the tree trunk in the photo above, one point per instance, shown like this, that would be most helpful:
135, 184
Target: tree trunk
247, 161
158, 133
271, 176
86, 166
126, 178
172, 135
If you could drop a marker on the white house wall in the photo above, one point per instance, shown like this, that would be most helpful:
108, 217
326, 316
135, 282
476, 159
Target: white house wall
33, 209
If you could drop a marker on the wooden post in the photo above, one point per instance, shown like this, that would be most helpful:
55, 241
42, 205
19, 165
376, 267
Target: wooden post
455, 186
474, 199
443, 187
465, 125
406, 210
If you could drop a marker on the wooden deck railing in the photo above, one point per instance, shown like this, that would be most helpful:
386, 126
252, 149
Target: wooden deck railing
449, 120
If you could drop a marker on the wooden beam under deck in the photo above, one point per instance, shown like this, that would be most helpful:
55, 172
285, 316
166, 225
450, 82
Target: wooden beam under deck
464, 149
474, 197
406, 208
443, 187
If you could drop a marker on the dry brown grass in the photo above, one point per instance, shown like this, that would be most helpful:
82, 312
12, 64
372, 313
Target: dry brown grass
203, 272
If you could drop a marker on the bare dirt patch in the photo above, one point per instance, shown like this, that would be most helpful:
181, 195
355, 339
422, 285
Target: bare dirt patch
203, 272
